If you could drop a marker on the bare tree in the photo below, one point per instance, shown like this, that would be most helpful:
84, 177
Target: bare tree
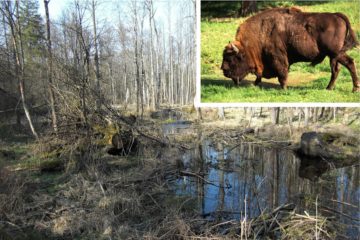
247, 7
150, 8
50, 69
135, 17
96, 57
12, 15
275, 115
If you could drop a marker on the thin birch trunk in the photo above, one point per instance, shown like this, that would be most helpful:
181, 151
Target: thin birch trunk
19, 59
96, 57
50, 69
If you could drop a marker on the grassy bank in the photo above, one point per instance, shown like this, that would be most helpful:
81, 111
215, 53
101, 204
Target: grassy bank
306, 83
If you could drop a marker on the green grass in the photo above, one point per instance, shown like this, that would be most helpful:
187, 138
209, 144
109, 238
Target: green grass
11, 153
306, 83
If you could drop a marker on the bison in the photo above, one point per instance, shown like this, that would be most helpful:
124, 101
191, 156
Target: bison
267, 43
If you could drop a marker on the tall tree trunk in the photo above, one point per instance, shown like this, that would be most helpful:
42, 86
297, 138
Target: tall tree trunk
158, 73
65, 44
126, 88
247, 7
112, 80
11, 84
20, 62
151, 82
85, 64
143, 76
96, 57
19, 57
170, 48
137, 64
306, 116
275, 115
50, 69
194, 53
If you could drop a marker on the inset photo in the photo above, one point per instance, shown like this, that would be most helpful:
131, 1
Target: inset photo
280, 51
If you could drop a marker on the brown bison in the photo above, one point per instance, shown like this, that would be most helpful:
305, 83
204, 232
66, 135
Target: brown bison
269, 42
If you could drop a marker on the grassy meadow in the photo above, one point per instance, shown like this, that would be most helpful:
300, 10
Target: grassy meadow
305, 83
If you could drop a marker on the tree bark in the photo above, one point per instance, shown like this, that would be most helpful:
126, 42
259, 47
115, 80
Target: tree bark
306, 116
50, 69
19, 57
112, 80
275, 115
136, 56
150, 7
85, 67
247, 7
96, 57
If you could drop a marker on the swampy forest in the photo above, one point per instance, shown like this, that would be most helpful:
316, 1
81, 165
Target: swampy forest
100, 138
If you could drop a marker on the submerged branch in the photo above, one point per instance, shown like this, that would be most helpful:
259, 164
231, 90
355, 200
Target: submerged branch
191, 174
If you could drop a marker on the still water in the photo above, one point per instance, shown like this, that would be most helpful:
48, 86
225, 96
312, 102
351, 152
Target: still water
252, 179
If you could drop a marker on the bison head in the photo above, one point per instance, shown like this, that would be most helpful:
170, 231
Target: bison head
234, 64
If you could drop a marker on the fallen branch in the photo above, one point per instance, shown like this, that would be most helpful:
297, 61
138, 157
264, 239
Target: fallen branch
191, 174
221, 224
135, 128
340, 213
259, 142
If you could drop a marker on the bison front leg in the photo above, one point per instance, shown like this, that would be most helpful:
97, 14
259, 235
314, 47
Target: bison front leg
258, 79
283, 83
236, 81
283, 79
281, 66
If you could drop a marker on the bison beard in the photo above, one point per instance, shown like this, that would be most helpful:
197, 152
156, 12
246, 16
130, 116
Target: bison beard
269, 42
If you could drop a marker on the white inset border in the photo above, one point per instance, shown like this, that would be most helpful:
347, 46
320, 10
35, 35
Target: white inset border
197, 99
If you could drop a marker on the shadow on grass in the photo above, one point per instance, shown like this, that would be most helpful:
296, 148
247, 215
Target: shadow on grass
318, 84
244, 83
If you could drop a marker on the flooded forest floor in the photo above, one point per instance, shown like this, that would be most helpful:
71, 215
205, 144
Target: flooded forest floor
184, 174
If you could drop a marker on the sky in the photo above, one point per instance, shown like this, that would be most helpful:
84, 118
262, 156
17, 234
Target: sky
55, 8
106, 8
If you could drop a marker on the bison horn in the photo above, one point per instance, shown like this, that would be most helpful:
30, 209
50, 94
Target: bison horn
235, 48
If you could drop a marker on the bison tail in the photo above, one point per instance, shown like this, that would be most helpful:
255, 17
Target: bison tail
350, 40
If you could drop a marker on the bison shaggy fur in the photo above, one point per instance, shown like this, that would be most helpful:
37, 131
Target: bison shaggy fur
267, 43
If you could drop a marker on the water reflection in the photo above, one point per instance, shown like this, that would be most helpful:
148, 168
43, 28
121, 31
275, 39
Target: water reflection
176, 127
253, 179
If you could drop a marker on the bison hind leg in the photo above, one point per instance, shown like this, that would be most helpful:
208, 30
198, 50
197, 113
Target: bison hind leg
335, 69
348, 62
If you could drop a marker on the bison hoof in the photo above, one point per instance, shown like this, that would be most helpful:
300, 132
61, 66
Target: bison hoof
356, 89
257, 84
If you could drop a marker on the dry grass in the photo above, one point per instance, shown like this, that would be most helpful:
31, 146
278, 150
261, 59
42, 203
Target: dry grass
129, 197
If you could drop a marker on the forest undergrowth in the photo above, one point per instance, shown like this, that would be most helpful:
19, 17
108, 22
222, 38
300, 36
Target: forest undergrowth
87, 193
